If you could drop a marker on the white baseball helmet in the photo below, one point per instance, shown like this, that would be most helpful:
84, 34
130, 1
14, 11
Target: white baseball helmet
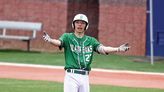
80, 17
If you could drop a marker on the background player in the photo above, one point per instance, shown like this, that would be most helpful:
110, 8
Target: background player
78, 50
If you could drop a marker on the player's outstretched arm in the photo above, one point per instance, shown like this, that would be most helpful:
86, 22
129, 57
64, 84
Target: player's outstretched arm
47, 38
108, 49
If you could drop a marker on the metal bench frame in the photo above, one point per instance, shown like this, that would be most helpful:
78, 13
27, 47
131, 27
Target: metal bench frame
21, 26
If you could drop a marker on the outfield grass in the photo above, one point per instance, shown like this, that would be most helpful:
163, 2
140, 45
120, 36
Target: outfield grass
117, 62
12, 85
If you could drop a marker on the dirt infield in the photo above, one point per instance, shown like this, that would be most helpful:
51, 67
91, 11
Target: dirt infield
128, 79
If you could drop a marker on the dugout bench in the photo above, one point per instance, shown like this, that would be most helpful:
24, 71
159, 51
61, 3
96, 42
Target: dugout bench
14, 26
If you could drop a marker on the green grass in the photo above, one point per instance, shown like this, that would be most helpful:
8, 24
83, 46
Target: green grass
32, 57
117, 62
12, 85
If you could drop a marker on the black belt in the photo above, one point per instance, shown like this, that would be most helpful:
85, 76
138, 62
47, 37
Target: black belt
83, 72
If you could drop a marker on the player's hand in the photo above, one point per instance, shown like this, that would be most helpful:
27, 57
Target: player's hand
46, 37
124, 47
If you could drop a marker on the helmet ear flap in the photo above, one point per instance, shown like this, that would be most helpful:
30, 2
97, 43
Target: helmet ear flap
73, 24
86, 26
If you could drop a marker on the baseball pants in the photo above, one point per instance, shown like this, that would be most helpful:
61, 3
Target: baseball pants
76, 82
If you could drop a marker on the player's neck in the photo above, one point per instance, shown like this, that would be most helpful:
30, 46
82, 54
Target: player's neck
79, 34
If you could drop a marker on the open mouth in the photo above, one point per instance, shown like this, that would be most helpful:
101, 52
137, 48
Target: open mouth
79, 28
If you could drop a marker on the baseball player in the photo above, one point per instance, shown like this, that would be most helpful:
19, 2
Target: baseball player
78, 50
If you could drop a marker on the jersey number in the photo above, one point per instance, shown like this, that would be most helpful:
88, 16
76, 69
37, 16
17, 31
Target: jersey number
87, 57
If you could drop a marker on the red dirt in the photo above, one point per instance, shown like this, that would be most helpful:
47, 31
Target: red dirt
105, 78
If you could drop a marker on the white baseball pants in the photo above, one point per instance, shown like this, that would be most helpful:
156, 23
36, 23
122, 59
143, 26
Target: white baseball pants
76, 83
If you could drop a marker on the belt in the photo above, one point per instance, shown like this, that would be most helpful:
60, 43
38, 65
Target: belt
76, 71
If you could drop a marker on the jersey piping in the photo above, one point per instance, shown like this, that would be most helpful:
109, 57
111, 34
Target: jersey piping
78, 53
84, 54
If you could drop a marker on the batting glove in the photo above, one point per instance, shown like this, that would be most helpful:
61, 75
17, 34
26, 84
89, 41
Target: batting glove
124, 47
46, 37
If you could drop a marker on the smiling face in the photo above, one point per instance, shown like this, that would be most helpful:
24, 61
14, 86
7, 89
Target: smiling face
80, 26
